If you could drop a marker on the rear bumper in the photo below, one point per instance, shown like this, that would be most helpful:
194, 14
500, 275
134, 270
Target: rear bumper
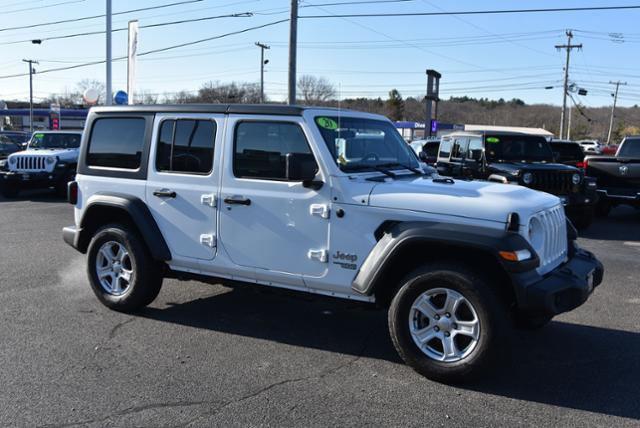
563, 289
30, 180
71, 235
620, 195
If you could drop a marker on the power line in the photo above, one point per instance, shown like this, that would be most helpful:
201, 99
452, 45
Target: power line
470, 12
160, 24
86, 18
42, 7
164, 49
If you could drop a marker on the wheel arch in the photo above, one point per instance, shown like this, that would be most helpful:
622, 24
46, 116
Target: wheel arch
405, 246
105, 208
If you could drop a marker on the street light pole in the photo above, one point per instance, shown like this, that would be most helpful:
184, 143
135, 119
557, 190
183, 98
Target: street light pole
109, 98
262, 47
31, 71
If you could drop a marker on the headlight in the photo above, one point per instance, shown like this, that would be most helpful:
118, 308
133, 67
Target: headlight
527, 178
50, 160
13, 160
576, 178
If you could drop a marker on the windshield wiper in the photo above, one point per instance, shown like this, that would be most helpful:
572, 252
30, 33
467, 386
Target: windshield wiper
377, 168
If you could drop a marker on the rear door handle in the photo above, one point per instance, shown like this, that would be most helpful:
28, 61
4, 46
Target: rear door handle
164, 193
237, 200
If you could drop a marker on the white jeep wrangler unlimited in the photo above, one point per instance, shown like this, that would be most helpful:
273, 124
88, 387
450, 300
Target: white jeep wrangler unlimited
49, 162
324, 201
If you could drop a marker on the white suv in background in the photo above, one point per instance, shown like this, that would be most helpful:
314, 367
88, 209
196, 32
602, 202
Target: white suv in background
322, 201
591, 147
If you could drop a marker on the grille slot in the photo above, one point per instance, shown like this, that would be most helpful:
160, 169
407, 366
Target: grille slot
554, 248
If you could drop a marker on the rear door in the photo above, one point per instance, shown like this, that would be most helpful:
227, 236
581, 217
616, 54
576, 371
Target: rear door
182, 186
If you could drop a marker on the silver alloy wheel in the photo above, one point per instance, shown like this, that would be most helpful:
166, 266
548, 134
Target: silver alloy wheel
114, 268
444, 325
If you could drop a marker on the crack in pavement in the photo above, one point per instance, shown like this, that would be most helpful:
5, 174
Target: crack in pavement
118, 326
280, 383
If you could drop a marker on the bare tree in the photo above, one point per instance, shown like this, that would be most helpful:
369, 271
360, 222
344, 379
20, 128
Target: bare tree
315, 90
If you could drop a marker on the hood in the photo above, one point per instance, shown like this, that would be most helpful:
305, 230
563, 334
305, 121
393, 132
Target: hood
515, 167
471, 199
62, 154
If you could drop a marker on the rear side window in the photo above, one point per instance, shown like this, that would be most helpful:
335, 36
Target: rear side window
186, 146
261, 148
116, 142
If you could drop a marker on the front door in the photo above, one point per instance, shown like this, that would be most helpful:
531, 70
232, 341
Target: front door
268, 222
181, 184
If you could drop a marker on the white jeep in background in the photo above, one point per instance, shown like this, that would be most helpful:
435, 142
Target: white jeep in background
48, 162
321, 201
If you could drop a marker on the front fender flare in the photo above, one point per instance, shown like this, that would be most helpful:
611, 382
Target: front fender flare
477, 238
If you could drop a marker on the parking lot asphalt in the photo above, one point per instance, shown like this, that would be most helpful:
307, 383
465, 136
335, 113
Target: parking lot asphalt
204, 355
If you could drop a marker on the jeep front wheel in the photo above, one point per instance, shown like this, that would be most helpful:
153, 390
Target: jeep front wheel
446, 322
122, 273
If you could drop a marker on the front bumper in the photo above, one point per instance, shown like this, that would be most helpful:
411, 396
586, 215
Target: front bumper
561, 290
30, 180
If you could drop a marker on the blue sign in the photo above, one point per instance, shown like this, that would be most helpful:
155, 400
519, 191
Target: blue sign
434, 125
121, 98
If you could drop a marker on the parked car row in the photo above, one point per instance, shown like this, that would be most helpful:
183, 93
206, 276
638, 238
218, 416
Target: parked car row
559, 167
49, 161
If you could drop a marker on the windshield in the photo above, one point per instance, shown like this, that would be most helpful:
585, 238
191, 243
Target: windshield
54, 141
16, 138
365, 144
518, 148
630, 148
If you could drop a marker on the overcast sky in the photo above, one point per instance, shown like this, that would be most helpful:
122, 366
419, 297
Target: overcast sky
490, 56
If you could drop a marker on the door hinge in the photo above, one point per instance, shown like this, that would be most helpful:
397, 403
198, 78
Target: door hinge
319, 255
208, 240
209, 199
321, 210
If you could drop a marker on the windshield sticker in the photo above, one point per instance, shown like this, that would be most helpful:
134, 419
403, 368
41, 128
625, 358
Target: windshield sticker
493, 140
39, 135
326, 123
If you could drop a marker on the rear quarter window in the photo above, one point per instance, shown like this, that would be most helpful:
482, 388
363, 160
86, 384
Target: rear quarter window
117, 142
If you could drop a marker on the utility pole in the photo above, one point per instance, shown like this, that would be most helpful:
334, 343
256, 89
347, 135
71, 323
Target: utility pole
613, 108
31, 71
109, 98
262, 47
568, 47
293, 47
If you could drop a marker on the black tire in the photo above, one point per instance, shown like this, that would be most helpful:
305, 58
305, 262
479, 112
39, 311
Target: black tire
146, 280
9, 192
603, 207
525, 322
583, 219
491, 312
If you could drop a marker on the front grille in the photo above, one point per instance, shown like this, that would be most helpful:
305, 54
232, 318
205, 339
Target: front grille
31, 163
557, 183
554, 248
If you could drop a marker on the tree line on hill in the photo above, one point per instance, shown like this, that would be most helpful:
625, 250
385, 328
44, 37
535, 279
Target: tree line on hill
586, 122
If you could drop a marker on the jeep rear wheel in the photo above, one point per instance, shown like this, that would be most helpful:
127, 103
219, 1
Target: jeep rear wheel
122, 273
447, 323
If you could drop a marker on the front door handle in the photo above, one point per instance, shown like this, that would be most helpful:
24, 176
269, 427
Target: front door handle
237, 200
164, 193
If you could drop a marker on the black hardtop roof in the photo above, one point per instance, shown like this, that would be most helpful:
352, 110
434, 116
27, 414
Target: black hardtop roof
266, 109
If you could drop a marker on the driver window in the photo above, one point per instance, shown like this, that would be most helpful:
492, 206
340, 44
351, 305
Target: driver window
475, 149
186, 146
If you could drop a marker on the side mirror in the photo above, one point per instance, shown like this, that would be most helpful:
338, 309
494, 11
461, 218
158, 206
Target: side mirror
302, 167
423, 156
